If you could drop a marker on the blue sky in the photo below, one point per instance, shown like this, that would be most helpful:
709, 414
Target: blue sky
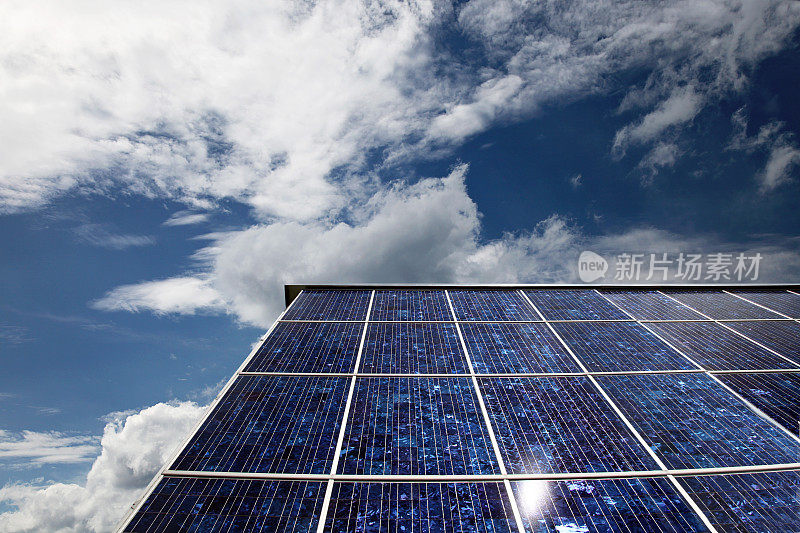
166, 168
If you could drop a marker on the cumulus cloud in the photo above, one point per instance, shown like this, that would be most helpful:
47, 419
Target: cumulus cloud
33, 448
426, 232
285, 107
183, 295
133, 449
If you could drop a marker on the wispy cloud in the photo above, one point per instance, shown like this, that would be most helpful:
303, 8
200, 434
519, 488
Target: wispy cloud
32, 448
184, 295
102, 236
186, 218
14, 334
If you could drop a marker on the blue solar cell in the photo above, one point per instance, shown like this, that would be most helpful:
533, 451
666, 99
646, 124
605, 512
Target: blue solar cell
575, 506
189, 504
420, 508
720, 305
416, 426
270, 424
559, 424
619, 347
516, 348
691, 421
492, 306
777, 394
764, 502
716, 348
574, 304
410, 305
650, 305
408, 348
784, 302
783, 336
309, 347
329, 305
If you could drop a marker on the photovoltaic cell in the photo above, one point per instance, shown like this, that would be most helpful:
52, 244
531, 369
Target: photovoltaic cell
516, 348
407, 348
691, 421
270, 424
650, 305
559, 424
783, 336
777, 394
410, 305
420, 507
720, 305
717, 348
309, 347
574, 506
492, 306
763, 502
619, 347
784, 302
329, 305
416, 426
189, 504
574, 304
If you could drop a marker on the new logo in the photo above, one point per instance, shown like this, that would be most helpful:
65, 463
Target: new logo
591, 266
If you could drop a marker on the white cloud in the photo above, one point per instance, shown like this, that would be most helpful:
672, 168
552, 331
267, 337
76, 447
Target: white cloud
186, 218
33, 448
782, 152
184, 295
777, 171
279, 105
682, 106
134, 447
100, 235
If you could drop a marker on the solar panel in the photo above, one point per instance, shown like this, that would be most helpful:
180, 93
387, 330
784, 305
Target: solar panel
583, 505
720, 305
410, 305
516, 348
574, 304
691, 421
763, 502
408, 348
191, 504
783, 302
427, 426
492, 306
777, 394
650, 305
716, 348
420, 507
270, 424
619, 347
347, 422
309, 347
329, 305
783, 336
559, 424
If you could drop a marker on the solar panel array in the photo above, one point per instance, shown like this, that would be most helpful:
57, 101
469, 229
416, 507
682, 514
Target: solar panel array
502, 410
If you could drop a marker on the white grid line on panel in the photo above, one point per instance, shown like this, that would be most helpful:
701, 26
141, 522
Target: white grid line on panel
487, 421
157, 478
465, 478
628, 423
741, 398
757, 304
342, 430
739, 333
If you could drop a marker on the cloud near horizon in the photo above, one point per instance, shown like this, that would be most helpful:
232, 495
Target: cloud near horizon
134, 446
